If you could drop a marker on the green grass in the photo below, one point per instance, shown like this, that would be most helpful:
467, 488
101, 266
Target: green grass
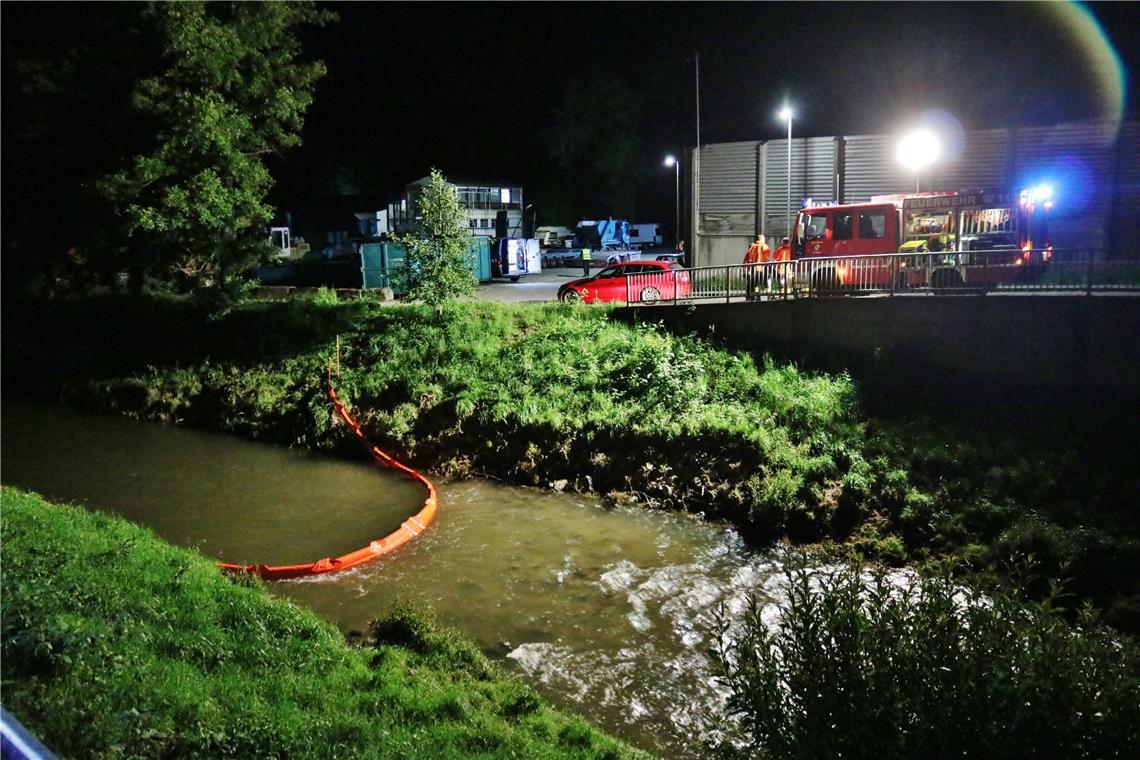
557, 396
116, 644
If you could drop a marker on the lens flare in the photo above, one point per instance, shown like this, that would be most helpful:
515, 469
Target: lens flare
1102, 63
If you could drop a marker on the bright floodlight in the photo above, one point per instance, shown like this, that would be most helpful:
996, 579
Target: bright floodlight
919, 149
1042, 193
785, 113
669, 160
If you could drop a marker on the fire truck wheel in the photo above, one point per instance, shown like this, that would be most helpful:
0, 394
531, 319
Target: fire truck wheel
946, 278
650, 295
825, 281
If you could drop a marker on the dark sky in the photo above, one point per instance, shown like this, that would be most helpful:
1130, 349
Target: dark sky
468, 87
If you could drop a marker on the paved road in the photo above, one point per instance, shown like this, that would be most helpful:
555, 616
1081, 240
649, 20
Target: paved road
530, 288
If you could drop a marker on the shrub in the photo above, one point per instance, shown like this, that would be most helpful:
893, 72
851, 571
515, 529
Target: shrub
860, 665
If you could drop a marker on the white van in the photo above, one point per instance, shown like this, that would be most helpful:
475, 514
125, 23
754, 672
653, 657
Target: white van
645, 235
555, 237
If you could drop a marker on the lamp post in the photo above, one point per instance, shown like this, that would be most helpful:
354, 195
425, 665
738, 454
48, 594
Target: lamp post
918, 150
786, 115
672, 161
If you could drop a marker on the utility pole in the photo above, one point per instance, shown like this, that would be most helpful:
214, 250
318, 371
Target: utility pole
697, 60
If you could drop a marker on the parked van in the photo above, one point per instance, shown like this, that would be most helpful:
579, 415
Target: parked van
555, 237
645, 235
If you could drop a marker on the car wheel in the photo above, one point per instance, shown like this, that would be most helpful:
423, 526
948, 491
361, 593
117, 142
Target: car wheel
571, 296
650, 295
515, 278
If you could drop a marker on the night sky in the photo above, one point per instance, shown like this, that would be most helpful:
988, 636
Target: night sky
471, 88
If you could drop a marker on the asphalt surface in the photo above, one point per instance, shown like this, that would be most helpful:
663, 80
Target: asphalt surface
531, 288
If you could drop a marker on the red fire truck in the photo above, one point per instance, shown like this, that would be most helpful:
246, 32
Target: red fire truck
955, 238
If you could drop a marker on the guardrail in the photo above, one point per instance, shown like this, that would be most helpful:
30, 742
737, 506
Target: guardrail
946, 272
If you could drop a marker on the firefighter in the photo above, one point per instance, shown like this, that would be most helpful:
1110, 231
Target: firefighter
758, 252
782, 254
587, 256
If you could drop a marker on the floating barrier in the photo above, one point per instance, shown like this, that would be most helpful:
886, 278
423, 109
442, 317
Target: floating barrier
409, 529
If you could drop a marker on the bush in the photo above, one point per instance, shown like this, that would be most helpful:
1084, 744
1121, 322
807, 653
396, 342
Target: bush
861, 665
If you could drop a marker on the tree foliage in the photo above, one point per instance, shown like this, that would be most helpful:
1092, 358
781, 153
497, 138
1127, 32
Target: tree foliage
439, 248
594, 138
233, 91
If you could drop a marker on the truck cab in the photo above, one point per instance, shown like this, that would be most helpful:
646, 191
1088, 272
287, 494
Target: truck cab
851, 230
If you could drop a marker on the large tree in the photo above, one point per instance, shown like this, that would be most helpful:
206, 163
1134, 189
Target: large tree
233, 90
594, 138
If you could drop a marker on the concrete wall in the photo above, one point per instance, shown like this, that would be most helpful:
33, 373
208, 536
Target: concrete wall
1075, 344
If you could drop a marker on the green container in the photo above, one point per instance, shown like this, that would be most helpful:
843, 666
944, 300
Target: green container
381, 266
481, 261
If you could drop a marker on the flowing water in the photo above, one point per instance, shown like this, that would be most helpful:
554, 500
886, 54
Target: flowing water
608, 612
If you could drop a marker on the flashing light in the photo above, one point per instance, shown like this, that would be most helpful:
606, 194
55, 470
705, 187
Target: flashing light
785, 113
670, 160
1041, 193
1048, 205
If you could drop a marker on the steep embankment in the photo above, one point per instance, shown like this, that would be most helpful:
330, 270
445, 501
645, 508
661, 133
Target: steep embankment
564, 398
115, 643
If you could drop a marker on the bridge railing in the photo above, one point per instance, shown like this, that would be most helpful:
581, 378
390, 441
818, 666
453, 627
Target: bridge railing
944, 272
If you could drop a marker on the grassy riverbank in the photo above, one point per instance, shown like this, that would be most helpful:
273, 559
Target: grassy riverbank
565, 398
117, 644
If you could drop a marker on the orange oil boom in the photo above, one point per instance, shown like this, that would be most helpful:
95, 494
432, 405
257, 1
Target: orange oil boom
408, 530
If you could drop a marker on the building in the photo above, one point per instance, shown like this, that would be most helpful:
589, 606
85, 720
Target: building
483, 198
738, 189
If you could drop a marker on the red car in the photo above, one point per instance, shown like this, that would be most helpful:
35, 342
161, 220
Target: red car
635, 281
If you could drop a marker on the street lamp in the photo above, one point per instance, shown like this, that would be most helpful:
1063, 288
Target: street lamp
918, 150
786, 115
672, 161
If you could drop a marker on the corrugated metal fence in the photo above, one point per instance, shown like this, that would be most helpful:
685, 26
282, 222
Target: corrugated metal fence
741, 188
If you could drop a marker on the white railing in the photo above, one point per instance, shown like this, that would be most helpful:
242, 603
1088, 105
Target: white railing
946, 272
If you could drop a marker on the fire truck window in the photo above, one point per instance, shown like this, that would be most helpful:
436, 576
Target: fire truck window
815, 226
844, 228
872, 225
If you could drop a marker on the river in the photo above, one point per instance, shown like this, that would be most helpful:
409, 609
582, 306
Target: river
606, 611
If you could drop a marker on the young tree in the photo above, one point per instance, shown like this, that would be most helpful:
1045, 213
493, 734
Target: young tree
232, 92
439, 249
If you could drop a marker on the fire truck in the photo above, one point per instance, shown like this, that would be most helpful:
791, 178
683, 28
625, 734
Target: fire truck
955, 239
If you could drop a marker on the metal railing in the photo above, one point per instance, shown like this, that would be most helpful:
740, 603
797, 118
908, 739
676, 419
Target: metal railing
946, 272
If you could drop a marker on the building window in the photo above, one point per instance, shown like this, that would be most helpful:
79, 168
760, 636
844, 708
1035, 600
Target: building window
505, 195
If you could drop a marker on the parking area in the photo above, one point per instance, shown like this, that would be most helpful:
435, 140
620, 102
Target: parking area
534, 288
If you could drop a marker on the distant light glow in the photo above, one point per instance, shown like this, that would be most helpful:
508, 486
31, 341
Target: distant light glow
786, 113
1041, 193
919, 149
670, 160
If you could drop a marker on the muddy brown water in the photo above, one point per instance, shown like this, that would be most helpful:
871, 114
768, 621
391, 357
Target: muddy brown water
606, 611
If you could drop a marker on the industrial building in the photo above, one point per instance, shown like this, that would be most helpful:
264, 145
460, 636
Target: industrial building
482, 198
738, 189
